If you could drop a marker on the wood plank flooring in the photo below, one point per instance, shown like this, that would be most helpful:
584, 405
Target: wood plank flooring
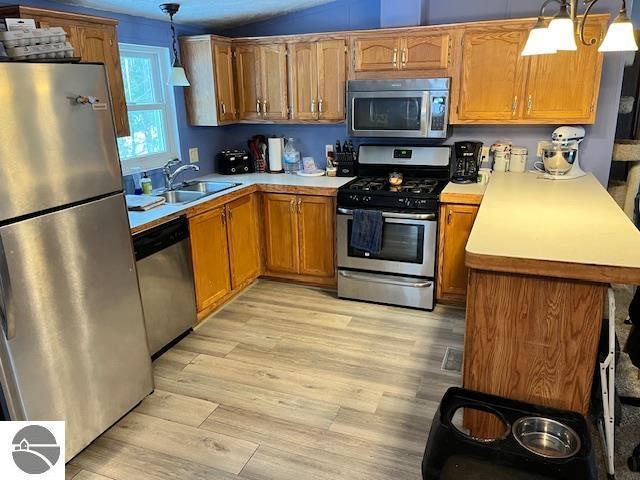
287, 383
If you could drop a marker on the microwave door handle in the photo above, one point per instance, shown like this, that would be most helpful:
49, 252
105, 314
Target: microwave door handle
425, 114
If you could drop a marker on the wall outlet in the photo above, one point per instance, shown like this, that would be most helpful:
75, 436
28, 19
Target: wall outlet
541, 145
193, 155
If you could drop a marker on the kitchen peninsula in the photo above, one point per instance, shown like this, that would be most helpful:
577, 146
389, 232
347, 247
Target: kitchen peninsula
541, 255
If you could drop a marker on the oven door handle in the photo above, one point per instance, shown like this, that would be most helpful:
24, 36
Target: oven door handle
387, 281
408, 216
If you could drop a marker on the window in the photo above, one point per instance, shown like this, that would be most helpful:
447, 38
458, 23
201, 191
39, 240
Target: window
153, 138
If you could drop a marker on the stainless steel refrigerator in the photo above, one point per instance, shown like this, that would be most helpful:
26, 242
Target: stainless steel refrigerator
73, 344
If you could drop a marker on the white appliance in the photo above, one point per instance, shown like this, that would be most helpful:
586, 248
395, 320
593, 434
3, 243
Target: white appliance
560, 160
403, 108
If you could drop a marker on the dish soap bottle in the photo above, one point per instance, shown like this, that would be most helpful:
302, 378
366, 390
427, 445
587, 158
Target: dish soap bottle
291, 157
145, 183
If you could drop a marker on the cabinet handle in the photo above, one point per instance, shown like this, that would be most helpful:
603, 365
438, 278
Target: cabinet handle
320, 106
224, 217
264, 106
258, 110
514, 105
529, 104
230, 213
223, 108
404, 57
313, 105
394, 60
299, 205
449, 218
292, 206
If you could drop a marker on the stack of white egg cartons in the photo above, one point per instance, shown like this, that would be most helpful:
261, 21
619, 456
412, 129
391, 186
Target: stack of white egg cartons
36, 43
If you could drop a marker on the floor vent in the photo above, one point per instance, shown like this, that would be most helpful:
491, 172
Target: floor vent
452, 361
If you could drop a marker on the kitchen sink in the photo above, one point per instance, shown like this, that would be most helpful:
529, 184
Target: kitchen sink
208, 187
180, 197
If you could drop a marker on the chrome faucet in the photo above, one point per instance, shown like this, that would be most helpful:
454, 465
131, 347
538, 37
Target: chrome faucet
169, 177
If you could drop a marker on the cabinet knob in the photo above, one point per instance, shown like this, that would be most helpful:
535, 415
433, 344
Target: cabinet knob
258, 109
529, 104
299, 205
223, 108
313, 105
394, 60
514, 105
404, 57
264, 106
320, 106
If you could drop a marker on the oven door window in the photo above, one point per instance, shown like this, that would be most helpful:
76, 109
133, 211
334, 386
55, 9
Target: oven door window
388, 113
401, 242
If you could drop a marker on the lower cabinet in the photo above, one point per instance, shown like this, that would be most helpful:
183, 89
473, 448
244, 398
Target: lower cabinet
299, 235
455, 226
225, 250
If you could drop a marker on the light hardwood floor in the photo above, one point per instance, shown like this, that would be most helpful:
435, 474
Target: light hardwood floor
287, 383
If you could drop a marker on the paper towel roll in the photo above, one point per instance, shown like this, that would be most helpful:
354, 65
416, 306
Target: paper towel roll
276, 149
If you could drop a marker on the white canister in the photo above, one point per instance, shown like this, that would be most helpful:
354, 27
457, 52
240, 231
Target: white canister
483, 176
500, 161
518, 161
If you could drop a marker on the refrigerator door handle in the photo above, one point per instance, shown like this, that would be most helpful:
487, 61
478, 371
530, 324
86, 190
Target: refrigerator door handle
6, 319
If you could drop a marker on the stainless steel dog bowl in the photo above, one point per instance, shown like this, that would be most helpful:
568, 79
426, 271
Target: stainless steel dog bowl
545, 437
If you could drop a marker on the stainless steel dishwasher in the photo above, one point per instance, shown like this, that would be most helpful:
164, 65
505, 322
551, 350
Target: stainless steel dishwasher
165, 275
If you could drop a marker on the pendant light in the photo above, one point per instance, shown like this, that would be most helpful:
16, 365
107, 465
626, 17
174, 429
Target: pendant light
561, 33
620, 37
178, 77
540, 41
561, 30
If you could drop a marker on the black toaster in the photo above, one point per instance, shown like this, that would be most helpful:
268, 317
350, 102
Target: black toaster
231, 162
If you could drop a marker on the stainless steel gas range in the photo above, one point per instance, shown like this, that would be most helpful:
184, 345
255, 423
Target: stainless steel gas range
403, 271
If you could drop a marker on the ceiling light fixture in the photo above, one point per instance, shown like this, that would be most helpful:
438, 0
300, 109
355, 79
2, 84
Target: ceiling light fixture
178, 77
561, 32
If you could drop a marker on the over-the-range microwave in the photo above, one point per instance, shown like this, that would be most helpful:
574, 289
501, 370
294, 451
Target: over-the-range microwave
405, 108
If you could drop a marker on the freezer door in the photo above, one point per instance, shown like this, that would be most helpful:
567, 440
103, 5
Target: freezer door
54, 151
73, 344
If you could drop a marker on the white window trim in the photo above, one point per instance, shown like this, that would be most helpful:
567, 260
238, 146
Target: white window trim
150, 162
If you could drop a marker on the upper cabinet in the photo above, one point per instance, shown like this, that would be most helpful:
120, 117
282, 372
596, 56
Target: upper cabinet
273, 68
248, 81
94, 39
208, 63
317, 79
498, 85
426, 54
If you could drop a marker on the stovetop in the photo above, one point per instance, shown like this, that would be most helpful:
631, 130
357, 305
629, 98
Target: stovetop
415, 193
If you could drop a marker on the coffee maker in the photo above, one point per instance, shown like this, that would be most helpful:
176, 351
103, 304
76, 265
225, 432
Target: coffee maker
465, 164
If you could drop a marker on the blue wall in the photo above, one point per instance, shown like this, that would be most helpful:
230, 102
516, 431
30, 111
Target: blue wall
144, 31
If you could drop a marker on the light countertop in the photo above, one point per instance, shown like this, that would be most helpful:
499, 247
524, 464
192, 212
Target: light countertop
467, 193
563, 222
138, 220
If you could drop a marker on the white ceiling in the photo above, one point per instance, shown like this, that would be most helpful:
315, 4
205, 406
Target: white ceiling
211, 13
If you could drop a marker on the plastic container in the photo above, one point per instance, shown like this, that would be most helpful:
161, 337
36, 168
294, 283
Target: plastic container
147, 186
518, 161
291, 157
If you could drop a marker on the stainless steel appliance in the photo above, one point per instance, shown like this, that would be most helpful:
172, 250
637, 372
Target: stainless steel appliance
402, 273
73, 345
409, 108
465, 164
163, 259
231, 162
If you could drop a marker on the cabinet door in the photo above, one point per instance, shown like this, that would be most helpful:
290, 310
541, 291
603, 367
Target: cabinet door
549, 98
455, 227
223, 57
426, 52
316, 224
274, 81
376, 54
248, 81
281, 233
303, 80
210, 257
492, 74
100, 44
243, 234
332, 78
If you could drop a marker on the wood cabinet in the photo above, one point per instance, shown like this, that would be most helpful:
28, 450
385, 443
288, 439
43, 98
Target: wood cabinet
498, 85
225, 250
208, 63
423, 52
94, 39
299, 237
248, 81
243, 234
317, 76
210, 256
455, 226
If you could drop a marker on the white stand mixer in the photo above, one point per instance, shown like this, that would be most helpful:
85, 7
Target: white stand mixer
561, 160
